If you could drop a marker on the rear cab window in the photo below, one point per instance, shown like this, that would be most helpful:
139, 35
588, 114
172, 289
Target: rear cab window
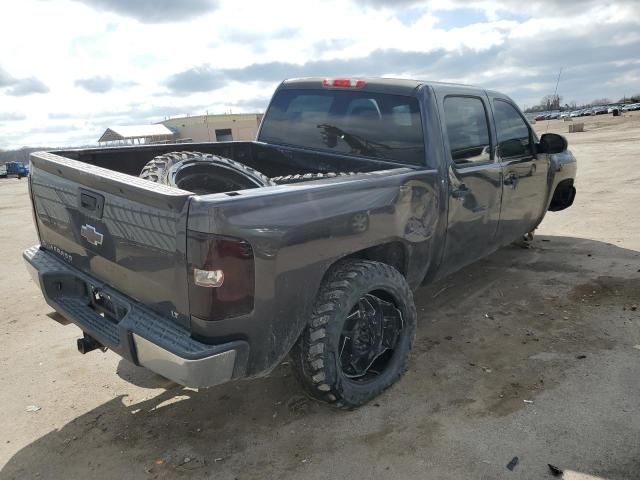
360, 123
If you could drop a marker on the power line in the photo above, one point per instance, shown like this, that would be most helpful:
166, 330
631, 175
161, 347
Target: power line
555, 95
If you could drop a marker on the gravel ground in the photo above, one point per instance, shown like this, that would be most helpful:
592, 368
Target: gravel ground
531, 354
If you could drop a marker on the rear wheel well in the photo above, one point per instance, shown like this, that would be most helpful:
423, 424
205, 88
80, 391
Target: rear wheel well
392, 253
563, 195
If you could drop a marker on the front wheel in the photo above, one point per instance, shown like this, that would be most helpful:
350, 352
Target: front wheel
358, 340
526, 241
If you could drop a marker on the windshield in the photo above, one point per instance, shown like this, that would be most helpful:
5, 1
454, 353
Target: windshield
346, 121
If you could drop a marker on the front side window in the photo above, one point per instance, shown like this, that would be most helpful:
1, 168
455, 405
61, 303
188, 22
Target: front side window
467, 130
359, 123
514, 138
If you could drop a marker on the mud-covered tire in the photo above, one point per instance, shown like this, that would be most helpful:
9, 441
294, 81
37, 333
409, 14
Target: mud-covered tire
190, 171
306, 177
316, 357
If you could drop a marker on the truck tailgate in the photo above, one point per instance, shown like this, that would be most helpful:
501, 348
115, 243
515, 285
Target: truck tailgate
123, 231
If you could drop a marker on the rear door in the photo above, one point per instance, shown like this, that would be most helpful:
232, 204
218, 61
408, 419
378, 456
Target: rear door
475, 179
126, 232
525, 175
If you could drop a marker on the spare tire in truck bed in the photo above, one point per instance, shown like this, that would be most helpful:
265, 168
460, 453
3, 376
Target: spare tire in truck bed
202, 173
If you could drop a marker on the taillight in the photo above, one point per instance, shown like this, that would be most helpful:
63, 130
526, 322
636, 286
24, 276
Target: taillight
343, 82
221, 276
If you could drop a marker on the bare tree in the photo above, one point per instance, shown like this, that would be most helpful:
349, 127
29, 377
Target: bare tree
632, 99
551, 102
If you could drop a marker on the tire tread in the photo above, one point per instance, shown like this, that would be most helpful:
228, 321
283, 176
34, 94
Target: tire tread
157, 169
310, 353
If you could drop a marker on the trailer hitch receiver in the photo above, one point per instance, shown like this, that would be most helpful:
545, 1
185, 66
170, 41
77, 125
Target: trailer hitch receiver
87, 344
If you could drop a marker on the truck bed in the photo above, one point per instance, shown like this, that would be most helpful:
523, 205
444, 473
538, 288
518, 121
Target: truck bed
271, 160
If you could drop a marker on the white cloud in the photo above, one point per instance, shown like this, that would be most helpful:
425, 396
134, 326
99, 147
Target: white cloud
110, 61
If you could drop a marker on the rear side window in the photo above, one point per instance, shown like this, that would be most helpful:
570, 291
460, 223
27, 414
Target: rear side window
514, 138
345, 121
467, 130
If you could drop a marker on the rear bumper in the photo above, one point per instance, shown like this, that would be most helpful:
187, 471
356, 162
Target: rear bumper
139, 334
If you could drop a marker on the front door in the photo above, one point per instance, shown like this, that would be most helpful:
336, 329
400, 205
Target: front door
525, 175
475, 181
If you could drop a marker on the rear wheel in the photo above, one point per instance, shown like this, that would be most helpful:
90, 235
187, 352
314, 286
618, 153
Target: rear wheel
359, 337
202, 173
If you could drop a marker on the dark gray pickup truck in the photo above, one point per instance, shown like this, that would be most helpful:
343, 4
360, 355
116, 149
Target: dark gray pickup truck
211, 262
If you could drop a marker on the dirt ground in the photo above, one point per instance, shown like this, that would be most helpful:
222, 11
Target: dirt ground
528, 354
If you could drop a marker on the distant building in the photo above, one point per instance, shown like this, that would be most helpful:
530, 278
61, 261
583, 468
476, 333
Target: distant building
215, 128
136, 134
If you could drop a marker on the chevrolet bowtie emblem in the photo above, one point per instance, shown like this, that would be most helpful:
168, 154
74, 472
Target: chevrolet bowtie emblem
91, 235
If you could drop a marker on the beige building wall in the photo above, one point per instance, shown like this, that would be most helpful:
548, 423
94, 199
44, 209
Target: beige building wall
212, 128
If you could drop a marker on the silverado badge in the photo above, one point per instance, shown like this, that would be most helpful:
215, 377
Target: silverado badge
91, 235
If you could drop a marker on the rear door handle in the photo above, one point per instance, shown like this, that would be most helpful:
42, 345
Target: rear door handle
511, 179
460, 192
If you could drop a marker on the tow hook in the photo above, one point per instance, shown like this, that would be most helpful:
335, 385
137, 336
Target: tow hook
87, 344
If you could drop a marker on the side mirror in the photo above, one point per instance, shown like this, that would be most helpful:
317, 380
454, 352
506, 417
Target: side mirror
552, 143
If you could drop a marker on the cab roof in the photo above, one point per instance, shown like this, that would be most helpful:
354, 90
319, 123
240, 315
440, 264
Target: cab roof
400, 86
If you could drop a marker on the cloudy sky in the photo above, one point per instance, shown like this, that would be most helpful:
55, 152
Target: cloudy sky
71, 68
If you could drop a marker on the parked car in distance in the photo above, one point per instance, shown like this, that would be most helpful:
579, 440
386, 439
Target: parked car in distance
14, 169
